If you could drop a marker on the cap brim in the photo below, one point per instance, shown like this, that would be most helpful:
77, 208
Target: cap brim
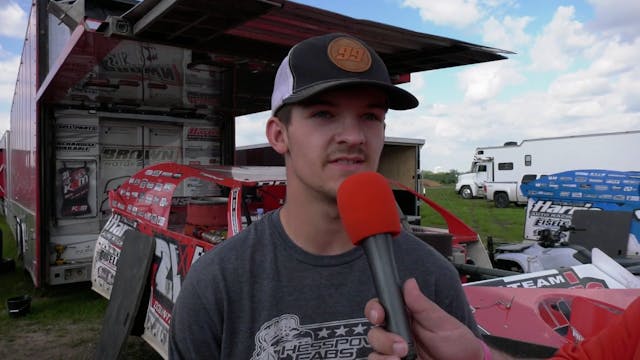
399, 99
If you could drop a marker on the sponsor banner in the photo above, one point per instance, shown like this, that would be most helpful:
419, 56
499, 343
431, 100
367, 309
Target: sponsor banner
550, 214
553, 199
76, 184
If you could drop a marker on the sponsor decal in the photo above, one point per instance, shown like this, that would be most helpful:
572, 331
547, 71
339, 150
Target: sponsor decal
75, 136
62, 146
547, 222
78, 127
133, 157
203, 133
549, 207
155, 326
564, 279
171, 262
107, 252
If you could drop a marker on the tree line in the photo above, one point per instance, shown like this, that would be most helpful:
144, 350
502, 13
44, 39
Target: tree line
449, 177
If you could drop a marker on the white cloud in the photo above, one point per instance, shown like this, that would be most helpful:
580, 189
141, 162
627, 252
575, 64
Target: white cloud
509, 34
608, 85
618, 17
8, 75
578, 86
14, 20
484, 81
457, 13
560, 42
612, 57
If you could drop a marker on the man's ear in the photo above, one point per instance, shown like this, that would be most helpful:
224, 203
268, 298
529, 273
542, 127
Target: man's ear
277, 135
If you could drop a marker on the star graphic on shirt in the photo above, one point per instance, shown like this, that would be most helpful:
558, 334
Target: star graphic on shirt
358, 329
341, 331
323, 333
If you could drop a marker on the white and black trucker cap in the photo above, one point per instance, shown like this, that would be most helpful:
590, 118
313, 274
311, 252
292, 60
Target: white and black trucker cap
329, 61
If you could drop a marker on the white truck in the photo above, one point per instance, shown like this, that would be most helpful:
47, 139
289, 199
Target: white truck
497, 171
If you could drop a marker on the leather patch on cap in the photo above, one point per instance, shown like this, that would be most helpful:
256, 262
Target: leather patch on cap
349, 54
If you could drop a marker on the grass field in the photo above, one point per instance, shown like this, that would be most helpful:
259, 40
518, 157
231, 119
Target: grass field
65, 321
504, 225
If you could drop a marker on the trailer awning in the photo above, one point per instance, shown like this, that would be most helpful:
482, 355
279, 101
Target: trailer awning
267, 29
198, 55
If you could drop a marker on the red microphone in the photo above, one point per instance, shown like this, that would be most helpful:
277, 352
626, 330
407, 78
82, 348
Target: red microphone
370, 216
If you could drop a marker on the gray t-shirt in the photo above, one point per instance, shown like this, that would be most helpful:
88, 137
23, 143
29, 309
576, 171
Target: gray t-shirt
260, 296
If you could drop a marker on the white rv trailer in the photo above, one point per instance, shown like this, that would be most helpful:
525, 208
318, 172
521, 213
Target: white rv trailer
505, 166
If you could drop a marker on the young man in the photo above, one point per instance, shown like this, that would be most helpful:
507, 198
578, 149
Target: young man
292, 285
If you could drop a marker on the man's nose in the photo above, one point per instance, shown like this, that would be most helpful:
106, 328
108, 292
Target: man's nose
351, 131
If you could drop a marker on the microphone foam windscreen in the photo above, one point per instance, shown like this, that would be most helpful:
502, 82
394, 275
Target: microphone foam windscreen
367, 206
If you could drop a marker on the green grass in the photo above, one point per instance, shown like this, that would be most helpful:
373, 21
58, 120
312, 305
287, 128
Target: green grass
504, 225
75, 302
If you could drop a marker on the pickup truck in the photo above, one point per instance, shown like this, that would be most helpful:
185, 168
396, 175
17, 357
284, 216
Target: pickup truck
505, 193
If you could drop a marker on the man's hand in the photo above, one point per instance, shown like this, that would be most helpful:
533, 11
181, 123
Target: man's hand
436, 334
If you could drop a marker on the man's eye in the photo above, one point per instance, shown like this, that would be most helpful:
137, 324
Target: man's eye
373, 117
322, 115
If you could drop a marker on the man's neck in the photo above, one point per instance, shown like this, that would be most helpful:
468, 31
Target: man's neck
315, 226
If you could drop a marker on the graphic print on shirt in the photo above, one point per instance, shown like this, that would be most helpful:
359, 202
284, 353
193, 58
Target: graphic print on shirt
285, 338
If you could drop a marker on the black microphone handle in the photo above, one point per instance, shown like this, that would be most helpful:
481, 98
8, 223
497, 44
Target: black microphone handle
379, 251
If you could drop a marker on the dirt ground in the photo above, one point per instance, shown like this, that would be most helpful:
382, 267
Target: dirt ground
64, 341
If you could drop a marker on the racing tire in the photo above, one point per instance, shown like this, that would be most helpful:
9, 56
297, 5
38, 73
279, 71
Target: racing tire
466, 193
501, 200
509, 266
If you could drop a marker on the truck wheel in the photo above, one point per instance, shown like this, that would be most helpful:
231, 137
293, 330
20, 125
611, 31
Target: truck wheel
501, 200
466, 192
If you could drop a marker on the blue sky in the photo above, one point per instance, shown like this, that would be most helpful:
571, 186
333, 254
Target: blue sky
576, 70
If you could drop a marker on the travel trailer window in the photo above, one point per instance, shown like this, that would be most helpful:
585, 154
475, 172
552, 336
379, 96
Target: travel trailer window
505, 166
482, 168
527, 160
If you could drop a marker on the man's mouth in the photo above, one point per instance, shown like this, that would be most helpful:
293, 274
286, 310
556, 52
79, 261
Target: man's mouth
346, 160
